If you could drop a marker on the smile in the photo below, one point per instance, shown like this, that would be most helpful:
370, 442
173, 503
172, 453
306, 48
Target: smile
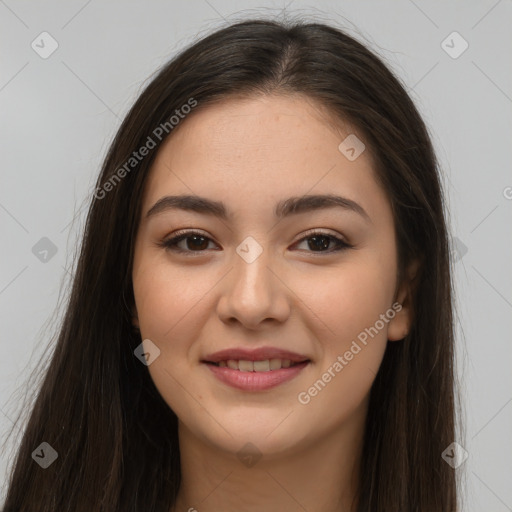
256, 375
266, 365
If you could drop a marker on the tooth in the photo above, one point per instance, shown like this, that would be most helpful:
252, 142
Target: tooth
256, 366
275, 364
262, 366
245, 366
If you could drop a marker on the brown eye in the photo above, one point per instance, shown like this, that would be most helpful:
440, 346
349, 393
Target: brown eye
196, 242
324, 243
188, 242
319, 242
193, 242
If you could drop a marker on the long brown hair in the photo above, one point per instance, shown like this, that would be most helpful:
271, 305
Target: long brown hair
116, 438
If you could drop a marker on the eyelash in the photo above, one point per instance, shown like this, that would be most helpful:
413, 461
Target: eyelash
171, 243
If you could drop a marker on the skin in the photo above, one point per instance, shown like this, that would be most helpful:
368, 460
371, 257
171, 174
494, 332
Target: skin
250, 154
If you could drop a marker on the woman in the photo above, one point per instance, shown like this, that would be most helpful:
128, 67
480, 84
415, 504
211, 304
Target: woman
261, 315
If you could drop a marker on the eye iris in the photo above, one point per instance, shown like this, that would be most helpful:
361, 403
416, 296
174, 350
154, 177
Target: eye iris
319, 242
196, 245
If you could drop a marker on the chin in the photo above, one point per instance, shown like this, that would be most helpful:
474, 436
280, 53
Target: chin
269, 436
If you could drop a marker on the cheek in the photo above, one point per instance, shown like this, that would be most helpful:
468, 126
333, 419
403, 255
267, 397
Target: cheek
170, 313
166, 298
348, 308
348, 299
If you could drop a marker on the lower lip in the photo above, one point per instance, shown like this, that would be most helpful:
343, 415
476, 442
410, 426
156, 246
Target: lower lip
256, 381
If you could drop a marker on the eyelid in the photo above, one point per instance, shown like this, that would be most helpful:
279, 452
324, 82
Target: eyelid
341, 242
188, 231
320, 231
170, 242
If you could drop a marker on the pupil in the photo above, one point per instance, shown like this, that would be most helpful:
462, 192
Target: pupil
195, 244
317, 242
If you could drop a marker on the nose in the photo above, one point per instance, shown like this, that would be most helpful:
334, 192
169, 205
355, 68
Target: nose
254, 293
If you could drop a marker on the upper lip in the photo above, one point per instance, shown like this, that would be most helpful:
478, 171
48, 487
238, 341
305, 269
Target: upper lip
258, 354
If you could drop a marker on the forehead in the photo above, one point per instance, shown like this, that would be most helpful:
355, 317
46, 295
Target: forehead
261, 124
246, 150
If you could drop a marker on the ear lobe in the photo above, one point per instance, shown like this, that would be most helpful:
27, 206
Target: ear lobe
400, 325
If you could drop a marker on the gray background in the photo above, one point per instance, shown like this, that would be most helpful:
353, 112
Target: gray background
59, 114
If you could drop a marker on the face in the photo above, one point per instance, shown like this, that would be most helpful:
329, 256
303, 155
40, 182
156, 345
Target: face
303, 298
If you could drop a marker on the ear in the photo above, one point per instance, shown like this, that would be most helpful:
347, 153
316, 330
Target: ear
400, 325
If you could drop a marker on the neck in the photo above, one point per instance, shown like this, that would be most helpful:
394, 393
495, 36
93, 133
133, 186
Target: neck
321, 476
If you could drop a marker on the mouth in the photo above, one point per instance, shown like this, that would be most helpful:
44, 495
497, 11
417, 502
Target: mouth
264, 365
255, 369
253, 376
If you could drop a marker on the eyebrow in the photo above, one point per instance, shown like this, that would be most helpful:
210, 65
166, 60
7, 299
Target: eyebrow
284, 208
